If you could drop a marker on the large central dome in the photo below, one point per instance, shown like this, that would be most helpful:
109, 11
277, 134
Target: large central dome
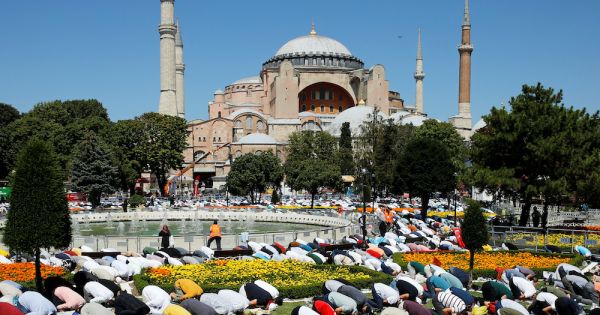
315, 51
313, 44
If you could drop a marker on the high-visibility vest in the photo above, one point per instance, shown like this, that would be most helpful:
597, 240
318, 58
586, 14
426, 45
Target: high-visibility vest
215, 230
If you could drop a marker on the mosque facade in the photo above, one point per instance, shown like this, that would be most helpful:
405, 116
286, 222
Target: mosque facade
312, 82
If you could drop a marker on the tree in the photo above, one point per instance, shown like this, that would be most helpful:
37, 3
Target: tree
538, 149
345, 150
93, 169
39, 216
311, 162
474, 231
8, 114
425, 167
162, 142
251, 173
446, 134
123, 137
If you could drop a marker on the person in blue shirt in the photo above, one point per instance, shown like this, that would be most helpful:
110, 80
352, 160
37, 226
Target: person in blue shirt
434, 284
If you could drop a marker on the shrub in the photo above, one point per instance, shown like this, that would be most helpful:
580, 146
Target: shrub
292, 279
136, 200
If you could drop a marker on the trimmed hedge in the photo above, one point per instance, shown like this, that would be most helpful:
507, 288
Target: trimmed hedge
293, 292
576, 260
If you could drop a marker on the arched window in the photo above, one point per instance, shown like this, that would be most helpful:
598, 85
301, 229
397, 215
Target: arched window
331, 108
322, 108
303, 107
219, 114
340, 108
248, 122
238, 124
258, 152
198, 154
260, 126
311, 125
312, 107
238, 153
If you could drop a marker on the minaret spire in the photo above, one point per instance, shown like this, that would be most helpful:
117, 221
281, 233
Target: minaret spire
466, 15
419, 76
167, 29
462, 122
179, 72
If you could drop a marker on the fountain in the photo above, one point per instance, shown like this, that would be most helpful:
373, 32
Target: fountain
228, 226
134, 221
86, 221
109, 220
75, 226
183, 224
121, 228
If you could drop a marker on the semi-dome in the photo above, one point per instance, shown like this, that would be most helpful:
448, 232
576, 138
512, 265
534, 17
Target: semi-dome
257, 138
415, 120
313, 44
356, 116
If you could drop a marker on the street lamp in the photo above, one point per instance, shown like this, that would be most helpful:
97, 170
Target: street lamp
364, 214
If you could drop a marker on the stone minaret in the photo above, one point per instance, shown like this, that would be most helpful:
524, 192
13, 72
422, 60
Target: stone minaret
419, 76
168, 100
462, 121
179, 72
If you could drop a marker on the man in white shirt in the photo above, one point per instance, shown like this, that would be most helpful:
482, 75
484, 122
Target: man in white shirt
94, 291
521, 288
544, 301
384, 295
156, 298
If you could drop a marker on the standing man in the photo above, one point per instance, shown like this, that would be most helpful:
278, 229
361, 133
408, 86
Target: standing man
215, 234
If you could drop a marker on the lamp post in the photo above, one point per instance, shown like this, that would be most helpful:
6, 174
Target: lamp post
364, 214
455, 218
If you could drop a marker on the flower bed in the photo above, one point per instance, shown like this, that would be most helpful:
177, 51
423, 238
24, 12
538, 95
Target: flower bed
487, 262
293, 279
555, 238
24, 273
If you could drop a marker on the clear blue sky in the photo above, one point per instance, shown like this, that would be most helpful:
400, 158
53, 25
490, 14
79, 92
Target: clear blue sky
109, 50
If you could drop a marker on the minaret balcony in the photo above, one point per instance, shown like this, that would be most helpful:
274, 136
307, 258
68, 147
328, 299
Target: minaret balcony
465, 48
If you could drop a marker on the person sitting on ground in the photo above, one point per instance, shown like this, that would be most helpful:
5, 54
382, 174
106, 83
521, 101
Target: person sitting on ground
9, 309
414, 308
580, 289
186, 289
384, 295
543, 304
198, 308
521, 288
495, 290
446, 303
127, 304
32, 302
362, 301
342, 304
70, 299
259, 297
303, 310
408, 288
93, 291
156, 299
97, 309
236, 302
174, 309
322, 306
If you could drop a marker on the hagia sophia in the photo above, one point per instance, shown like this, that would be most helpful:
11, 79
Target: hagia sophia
312, 82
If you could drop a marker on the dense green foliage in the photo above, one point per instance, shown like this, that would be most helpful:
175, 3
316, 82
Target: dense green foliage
62, 124
252, 173
93, 170
345, 157
311, 162
425, 167
538, 148
136, 200
474, 230
8, 114
39, 216
293, 292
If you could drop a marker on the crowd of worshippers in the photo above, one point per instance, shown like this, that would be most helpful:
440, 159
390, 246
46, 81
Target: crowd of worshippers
513, 293
90, 295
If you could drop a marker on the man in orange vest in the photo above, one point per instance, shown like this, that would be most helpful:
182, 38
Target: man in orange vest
215, 234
